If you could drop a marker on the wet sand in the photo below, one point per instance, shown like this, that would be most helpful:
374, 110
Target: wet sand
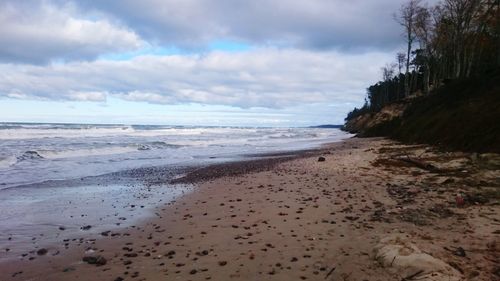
297, 218
43, 216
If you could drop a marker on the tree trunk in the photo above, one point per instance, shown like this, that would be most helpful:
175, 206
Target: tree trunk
407, 86
412, 81
469, 63
426, 77
457, 65
498, 32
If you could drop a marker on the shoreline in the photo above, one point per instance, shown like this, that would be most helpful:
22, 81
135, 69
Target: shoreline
85, 207
297, 218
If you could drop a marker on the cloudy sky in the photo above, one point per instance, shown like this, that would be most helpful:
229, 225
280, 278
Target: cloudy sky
193, 62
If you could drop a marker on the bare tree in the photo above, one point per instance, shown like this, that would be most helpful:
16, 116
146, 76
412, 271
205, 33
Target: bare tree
406, 18
462, 15
401, 57
388, 71
423, 32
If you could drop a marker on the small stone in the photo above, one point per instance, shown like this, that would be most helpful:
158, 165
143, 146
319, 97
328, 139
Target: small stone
459, 252
86, 227
41, 252
97, 260
68, 269
222, 263
321, 159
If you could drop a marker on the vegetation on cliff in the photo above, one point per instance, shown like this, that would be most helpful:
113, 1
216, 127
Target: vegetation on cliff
449, 91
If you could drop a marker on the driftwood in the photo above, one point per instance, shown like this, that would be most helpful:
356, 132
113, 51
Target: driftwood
329, 273
418, 163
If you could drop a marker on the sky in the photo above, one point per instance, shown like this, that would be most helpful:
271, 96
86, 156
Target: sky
192, 62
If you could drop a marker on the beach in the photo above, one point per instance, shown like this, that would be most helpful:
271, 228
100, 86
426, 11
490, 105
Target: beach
332, 213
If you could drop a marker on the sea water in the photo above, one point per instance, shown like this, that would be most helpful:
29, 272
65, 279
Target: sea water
35, 153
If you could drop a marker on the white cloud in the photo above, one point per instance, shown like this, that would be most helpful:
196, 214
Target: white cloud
38, 32
33, 31
87, 96
268, 77
306, 24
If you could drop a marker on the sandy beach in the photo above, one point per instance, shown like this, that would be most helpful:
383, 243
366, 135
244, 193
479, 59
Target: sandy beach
364, 213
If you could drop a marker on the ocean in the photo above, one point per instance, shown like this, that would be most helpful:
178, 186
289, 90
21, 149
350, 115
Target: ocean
35, 153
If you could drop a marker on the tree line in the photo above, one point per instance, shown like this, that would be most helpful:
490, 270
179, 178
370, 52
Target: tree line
455, 39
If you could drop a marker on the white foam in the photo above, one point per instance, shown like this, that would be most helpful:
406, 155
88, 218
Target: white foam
38, 133
47, 132
7, 161
51, 154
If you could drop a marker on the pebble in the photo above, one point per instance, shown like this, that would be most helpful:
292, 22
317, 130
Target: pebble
41, 252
